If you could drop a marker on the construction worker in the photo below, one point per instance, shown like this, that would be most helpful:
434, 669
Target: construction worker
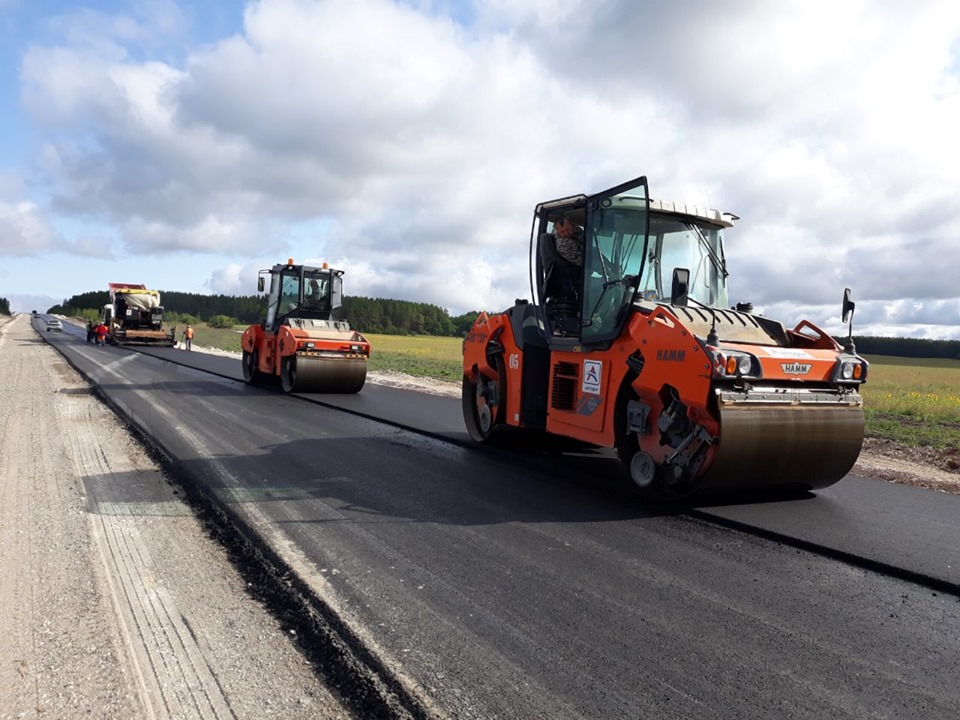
102, 331
187, 337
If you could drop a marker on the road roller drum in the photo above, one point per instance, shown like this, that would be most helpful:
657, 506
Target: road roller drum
312, 374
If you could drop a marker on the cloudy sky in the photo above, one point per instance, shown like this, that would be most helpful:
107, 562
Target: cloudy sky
187, 144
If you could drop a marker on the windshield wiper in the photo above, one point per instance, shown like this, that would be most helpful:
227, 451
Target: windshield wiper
717, 261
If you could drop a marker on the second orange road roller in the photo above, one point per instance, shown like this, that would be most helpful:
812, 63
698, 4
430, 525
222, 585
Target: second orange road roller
631, 343
301, 341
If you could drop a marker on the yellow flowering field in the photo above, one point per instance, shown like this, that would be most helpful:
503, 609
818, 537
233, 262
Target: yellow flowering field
913, 400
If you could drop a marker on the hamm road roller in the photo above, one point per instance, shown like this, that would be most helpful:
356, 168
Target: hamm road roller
301, 342
631, 344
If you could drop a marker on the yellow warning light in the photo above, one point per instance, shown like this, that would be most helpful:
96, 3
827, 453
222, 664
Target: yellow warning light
289, 261
325, 266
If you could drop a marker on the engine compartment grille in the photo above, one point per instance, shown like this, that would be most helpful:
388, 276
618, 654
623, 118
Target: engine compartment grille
565, 378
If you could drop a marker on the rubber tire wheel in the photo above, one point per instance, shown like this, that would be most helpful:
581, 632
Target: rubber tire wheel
250, 361
479, 430
288, 374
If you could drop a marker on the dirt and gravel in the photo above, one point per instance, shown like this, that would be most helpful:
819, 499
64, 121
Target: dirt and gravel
920, 467
114, 600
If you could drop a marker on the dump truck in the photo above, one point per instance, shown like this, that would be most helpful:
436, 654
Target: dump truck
301, 341
637, 348
134, 316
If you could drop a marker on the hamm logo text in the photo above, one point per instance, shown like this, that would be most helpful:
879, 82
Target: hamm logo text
670, 355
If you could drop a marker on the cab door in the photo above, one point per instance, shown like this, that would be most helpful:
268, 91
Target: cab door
616, 234
585, 371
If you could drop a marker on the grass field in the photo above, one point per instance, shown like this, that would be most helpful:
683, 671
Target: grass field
434, 357
912, 401
220, 338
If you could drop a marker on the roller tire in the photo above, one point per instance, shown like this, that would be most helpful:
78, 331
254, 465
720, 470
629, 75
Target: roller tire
250, 361
481, 419
288, 374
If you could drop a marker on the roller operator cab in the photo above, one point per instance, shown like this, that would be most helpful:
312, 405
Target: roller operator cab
636, 348
301, 341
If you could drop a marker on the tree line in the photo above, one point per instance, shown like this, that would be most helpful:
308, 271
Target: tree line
4, 306
907, 347
372, 315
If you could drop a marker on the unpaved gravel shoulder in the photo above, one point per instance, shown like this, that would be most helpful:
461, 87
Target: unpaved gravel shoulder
919, 467
114, 602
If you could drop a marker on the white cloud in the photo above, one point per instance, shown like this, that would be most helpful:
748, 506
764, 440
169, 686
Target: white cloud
236, 279
413, 148
24, 230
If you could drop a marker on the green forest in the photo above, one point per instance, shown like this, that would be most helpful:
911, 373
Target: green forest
4, 306
907, 347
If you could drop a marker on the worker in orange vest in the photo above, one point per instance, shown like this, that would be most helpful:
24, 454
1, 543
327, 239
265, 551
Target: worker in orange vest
188, 337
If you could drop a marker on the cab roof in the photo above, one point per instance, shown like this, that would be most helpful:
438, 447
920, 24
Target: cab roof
665, 207
723, 219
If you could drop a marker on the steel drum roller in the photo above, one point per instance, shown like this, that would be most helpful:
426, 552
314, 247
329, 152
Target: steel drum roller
781, 444
306, 374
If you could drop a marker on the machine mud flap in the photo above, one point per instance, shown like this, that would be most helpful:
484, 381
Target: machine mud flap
785, 445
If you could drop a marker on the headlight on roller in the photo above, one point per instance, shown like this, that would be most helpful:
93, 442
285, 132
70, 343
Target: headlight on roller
849, 369
733, 363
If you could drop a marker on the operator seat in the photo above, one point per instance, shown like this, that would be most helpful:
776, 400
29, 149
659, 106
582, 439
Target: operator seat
561, 287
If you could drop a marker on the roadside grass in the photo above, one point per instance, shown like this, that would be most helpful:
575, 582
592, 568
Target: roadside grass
439, 358
913, 401
220, 338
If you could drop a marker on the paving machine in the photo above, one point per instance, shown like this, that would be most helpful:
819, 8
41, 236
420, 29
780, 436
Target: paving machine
637, 348
300, 341
134, 316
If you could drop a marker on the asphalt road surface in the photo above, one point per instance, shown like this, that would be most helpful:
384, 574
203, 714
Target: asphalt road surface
522, 583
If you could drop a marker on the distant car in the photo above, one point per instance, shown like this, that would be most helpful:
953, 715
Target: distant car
54, 324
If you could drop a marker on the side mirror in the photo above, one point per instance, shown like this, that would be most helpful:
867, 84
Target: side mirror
260, 283
681, 287
848, 305
336, 292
